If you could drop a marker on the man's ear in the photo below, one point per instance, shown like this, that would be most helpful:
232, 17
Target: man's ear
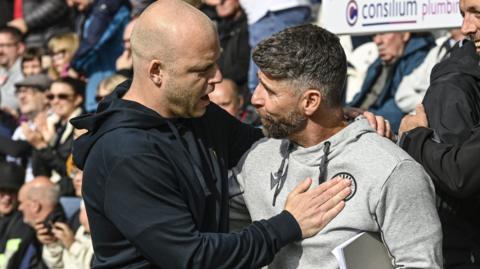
312, 98
36, 207
406, 36
155, 72
21, 48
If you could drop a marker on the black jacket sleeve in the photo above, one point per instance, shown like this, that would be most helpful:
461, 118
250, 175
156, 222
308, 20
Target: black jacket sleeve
242, 136
160, 225
450, 110
15, 148
45, 14
453, 168
48, 159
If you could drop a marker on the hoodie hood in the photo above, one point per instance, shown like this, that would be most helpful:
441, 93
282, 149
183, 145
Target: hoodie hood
463, 59
337, 143
331, 148
112, 113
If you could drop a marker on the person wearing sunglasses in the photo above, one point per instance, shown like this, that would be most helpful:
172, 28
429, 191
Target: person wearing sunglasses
51, 152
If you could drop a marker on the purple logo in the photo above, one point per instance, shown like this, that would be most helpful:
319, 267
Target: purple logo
352, 12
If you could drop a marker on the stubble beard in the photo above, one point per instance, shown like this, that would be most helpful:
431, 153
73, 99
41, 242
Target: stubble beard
283, 127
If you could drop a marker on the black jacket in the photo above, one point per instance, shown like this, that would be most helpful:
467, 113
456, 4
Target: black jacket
156, 190
45, 19
15, 233
452, 104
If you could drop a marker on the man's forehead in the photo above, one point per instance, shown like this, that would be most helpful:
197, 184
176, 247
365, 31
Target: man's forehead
7, 36
466, 5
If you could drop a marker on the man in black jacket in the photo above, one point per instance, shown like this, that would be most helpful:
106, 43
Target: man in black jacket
449, 150
156, 155
43, 19
15, 235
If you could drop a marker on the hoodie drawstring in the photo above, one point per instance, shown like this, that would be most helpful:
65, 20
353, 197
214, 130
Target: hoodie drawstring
323, 164
281, 175
195, 166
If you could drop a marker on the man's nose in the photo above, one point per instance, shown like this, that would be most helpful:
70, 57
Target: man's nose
468, 25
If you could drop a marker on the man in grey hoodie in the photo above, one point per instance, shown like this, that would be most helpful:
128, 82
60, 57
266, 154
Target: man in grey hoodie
299, 99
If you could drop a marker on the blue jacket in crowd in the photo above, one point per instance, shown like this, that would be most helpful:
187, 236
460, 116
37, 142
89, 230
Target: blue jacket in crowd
101, 43
415, 51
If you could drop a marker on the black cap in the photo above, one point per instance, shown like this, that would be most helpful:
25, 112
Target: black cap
12, 176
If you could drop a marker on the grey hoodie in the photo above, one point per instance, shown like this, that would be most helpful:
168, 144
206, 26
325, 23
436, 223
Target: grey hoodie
392, 195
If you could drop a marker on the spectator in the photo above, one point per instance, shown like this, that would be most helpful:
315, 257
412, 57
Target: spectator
15, 235
399, 55
100, 26
73, 248
124, 64
107, 86
32, 62
233, 34
41, 20
6, 11
413, 87
39, 205
299, 99
165, 115
138, 6
268, 17
450, 147
11, 50
227, 96
66, 97
31, 98
62, 47
8, 123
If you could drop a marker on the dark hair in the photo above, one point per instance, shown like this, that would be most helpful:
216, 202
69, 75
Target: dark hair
32, 54
77, 85
14, 32
309, 57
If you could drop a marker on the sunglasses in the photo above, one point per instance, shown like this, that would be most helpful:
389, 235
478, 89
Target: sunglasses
60, 96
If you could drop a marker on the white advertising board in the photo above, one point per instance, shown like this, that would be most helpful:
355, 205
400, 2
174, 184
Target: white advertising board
374, 16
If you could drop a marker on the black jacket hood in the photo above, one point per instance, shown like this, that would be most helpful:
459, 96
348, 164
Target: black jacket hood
113, 112
463, 59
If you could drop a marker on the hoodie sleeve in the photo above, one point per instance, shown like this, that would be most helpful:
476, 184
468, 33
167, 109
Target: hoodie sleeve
160, 225
408, 219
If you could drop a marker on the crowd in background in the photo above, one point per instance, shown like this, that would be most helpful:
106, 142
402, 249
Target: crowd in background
59, 59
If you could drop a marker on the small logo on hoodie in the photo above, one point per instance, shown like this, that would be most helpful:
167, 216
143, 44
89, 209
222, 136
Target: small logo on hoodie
346, 175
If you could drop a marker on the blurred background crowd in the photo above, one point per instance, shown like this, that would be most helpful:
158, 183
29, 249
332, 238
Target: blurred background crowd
59, 58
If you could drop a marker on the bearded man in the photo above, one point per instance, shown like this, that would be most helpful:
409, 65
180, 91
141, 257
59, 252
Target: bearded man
299, 100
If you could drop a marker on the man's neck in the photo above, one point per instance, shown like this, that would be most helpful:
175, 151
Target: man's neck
320, 127
148, 99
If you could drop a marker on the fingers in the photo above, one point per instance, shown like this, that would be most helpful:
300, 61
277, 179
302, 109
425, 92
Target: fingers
39, 225
380, 125
331, 187
335, 200
333, 212
371, 119
60, 226
333, 195
419, 110
302, 187
388, 130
